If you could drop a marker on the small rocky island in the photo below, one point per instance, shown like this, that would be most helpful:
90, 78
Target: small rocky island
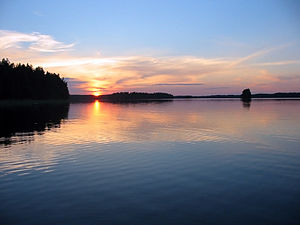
246, 95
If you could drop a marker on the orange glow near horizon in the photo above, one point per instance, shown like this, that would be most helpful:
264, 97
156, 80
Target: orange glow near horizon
149, 123
96, 93
181, 75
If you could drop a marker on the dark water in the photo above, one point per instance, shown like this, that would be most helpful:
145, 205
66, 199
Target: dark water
179, 162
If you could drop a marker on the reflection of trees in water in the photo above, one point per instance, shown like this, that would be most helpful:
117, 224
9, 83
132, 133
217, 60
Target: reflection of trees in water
21, 123
140, 101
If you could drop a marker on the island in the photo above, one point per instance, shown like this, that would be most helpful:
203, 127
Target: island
134, 96
246, 95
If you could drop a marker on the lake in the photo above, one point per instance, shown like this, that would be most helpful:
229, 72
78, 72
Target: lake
196, 161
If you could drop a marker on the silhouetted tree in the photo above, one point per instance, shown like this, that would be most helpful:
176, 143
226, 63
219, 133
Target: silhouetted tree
246, 95
22, 81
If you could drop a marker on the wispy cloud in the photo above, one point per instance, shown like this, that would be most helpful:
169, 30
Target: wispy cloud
216, 88
75, 84
179, 84
257, 54
279, 63
117, 73
37, 42
251, 56
174, 74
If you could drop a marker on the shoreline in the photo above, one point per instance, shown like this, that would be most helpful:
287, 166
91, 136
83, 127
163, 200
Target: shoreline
28, 102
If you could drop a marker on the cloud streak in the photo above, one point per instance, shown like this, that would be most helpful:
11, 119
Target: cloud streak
174, 74
179, 84
37, 42
135, 72
279, 63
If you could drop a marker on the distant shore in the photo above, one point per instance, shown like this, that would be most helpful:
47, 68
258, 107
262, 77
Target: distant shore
145, 96
274, 95
140, 97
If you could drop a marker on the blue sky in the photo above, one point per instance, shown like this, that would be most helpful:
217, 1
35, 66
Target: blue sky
140, 32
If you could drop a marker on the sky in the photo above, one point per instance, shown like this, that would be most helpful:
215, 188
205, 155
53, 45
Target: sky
180, 47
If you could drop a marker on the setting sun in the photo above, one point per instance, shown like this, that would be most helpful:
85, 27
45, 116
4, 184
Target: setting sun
97, 93
150, 112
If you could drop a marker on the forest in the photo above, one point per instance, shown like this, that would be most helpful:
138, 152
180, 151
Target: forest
133, 96
20, 81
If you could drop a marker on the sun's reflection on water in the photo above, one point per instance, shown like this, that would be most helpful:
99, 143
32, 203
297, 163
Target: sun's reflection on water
96, 107
93, 124
180, 121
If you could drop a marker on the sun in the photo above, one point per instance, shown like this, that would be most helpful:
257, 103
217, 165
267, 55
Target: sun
96, 93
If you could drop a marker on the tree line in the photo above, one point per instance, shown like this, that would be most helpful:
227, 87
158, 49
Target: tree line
20, 81
132, 96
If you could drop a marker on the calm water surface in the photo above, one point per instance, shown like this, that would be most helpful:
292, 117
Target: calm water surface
174, 162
